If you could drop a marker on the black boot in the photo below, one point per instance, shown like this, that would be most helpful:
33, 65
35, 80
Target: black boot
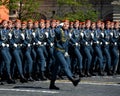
42, 77
30, 78
88, 74
52, 86
23, 79
10, 81
101, 73
81, 74
75, 81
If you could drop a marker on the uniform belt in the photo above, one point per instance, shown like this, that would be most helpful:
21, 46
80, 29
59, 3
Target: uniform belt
60, 49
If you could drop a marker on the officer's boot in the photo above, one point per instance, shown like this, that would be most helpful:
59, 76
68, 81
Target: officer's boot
10, 80
81, 74
52, 85
88, 73
101, 73
23, 79
43, 76
30, 78
74, 80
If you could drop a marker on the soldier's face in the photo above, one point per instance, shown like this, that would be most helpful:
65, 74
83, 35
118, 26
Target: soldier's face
36, 25
18, 25
66, 25
57, 23
83, 26
76, 24
88, 24
23, 26
102, 26
53, 24
107, 26
42, 25
112, 25
5, 24
30, 24
10, 25
99, 25
93, 26
47, 25
117, 25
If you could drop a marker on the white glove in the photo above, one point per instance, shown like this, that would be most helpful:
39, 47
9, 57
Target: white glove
21, 45
10, 35
28, 44
7, 45
100, 43
33, 34
70, 35
3, 44
82, 35
15, 45
92, 35
102, 35
51, 44
86, 43
97, 42
111, 34
66, 54
76, 44
91, 43
45, 43
61, 24
23, 36
115, 43
39, 43
34, 43
46, 33
106, 43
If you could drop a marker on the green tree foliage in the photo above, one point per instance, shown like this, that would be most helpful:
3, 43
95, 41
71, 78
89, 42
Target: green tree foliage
80, 10
25, 8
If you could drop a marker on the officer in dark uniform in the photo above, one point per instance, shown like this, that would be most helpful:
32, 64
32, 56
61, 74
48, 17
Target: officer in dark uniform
75, 40
114, 46
16, 44
86, 41
41, 37
5, 54
61, 51
50, 27
97, 45
34, 54
28, 43
106, 50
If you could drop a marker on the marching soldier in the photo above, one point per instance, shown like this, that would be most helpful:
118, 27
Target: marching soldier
106, 51
28, 44
16, 44
5, 53
50, 42
114, 46
61, 51
75, 40
41, 37
97, 45
87, 47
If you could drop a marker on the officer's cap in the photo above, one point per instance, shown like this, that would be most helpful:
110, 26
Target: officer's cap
24, 22
47, 21
54, 20
42, 21
30, 21
36, 22
87, 21
65, 21
17, 21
